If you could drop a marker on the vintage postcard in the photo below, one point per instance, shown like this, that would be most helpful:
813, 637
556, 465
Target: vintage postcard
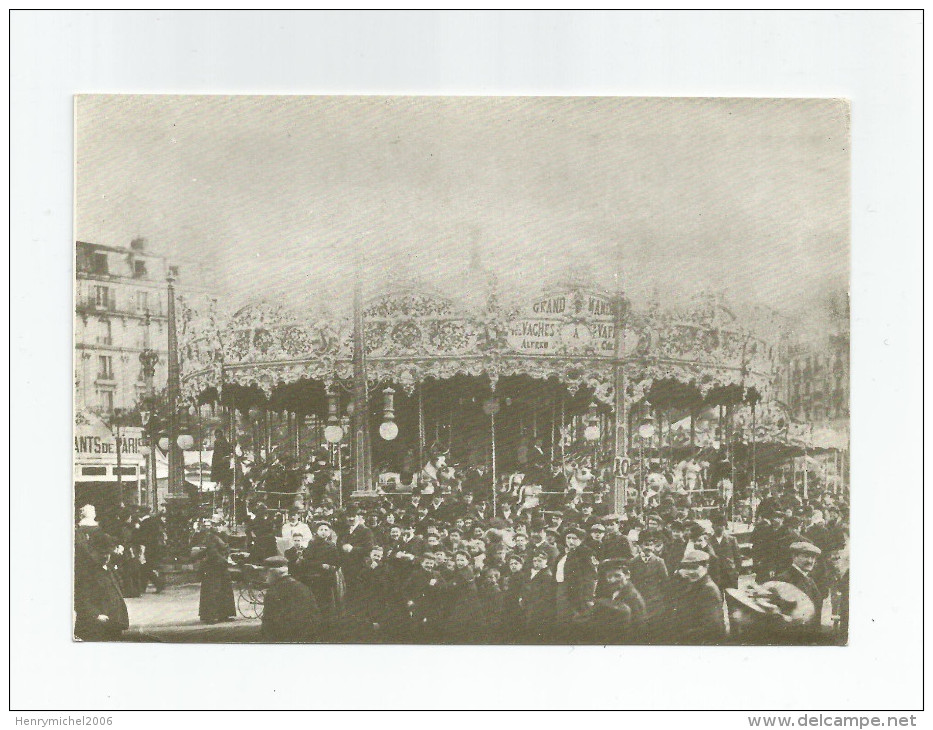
462, 370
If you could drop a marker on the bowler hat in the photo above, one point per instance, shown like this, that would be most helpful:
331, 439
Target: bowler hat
614, 564
276, 561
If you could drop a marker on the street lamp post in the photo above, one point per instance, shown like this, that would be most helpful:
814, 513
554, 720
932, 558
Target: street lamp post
361, 454
646, 432
117, 418
174, 386
149, 358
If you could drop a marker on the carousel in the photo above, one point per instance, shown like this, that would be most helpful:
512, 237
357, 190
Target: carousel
563, 378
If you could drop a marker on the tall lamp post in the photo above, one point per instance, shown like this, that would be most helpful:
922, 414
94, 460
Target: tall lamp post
117, 422
333, 435
646, 431
361, 453
620, 437
175, 462
149, 358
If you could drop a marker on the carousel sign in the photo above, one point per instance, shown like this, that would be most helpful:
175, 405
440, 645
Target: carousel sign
575, 323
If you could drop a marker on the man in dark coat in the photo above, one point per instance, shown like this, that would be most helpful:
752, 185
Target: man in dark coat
374, 600
403, 556
619, 613
424, 594
769, 545
290, 613
355, 545
438, 509
803, 560
650, 577
477, 483
513, 616
694, 608
100, 611
728, 551
465, 617
615, 544
675, 547
539, 597
320, 477
221, 473
575, 574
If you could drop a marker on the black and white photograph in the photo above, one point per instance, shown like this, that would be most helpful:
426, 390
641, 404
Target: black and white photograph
462, 370
437, 362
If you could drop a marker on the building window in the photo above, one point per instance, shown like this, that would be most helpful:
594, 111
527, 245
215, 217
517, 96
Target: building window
102, 296
106, 333
142, 301
99, 264
139, 269
105, 399
94, 471
173, 271
105, 367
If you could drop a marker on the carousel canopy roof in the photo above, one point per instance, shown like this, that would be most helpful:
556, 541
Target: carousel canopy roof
411, 333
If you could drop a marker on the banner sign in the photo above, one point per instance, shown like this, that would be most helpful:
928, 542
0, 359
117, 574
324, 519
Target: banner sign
565, 324
95, 444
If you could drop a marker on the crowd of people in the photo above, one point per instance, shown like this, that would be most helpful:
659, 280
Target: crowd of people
117, 560
447, 564
442, 567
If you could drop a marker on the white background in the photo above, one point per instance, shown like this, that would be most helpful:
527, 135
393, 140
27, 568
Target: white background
874, 59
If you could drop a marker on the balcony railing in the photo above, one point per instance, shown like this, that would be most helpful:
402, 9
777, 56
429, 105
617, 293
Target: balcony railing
91, 306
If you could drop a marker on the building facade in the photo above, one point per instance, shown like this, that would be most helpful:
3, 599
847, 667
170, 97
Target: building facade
816, 381
115, 289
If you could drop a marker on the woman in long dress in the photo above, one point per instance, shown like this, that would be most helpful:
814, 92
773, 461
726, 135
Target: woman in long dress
217, 602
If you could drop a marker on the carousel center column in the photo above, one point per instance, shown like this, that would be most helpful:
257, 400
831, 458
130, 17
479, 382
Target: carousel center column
363, 484
621, 421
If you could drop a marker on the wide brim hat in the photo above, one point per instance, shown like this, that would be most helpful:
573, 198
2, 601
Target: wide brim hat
276, 561
775, 598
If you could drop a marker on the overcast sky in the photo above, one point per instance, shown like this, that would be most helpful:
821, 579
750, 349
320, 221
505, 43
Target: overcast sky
274, 194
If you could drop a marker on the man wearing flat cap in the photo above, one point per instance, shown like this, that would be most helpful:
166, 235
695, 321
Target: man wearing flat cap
803, 560
290, 613
615, 544
694, 608
619, 613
